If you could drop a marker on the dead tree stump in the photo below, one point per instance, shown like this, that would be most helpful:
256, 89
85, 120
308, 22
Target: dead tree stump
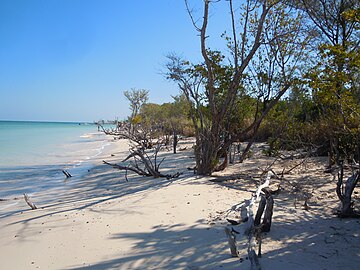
344, 194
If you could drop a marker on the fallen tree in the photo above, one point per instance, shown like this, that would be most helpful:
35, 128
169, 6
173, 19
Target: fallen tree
143, 164
244, 239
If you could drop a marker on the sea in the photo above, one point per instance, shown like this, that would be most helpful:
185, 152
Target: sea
34, 154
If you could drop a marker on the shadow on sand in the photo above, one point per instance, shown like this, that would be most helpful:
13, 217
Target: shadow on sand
173, 247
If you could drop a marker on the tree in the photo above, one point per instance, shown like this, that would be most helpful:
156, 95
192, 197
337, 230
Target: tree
136, 97
334, 80
167, 119
277, 65
215, 88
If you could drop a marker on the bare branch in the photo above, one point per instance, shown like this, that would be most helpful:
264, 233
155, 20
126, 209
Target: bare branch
190, 12
29, 202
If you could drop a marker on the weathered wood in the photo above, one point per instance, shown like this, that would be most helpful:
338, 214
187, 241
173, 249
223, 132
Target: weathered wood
349, 188
259, 239
232, 241
264, 185
127, 168
233, 222
29, 202
260, 210
266, 224
244, 212
254, 260
67, 174
250, 231
150, 168
344, 193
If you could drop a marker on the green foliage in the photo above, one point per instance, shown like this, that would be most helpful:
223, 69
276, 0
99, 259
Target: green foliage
167, 118
336, 94
136, 119
324, 109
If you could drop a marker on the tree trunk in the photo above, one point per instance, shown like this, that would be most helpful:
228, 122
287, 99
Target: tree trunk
206, 153
347, 209
344, 196
175, 142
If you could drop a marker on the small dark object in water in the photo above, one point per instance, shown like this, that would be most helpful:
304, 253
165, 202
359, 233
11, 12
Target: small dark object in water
67, 174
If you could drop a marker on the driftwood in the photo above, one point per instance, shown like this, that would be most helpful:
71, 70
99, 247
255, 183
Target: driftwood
266, 224
143, 164
127, 168
30, 203
140, 162
344, 194
260, 210
67, 174
231, 235
268, 201
250, 230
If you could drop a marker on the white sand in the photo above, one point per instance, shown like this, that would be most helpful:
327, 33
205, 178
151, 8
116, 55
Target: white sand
105, 222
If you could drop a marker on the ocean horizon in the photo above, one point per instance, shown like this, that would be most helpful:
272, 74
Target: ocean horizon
34, 153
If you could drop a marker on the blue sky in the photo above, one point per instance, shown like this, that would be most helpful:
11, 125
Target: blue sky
71, 60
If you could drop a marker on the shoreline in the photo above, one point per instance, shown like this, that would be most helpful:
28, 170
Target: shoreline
56, 182
105, 222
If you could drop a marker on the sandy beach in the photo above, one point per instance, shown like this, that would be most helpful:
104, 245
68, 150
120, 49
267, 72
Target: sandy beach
106, 222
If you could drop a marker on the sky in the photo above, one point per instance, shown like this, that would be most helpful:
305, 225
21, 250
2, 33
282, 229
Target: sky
71, 60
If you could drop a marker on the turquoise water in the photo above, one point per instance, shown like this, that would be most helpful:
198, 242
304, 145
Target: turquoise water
33, 154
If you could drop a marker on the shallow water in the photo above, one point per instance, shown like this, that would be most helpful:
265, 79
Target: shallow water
33, 154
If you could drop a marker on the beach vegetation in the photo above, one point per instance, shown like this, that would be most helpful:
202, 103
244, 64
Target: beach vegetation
289, 75
232, 91
137, 98
324, 110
